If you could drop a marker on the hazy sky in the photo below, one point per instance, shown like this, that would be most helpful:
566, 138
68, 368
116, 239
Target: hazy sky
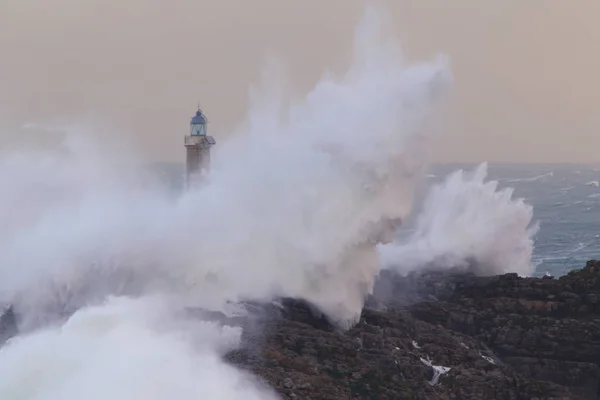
526, 72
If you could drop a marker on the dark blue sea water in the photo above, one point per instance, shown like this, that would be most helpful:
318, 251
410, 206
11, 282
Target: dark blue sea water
566, 203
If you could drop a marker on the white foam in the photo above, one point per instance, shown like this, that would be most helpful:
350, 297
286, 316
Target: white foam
488, 359
438, 371
532, 179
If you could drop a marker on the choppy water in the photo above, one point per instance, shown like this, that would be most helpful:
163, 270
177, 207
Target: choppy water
566, 201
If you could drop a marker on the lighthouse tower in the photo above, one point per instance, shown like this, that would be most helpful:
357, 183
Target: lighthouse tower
197, 149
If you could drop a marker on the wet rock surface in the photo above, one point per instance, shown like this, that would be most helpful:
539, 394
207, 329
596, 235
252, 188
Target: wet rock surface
501, 337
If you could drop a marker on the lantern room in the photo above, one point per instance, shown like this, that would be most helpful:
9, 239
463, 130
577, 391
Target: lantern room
198, 124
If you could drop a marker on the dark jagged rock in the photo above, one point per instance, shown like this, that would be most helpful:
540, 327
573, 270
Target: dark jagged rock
503, 337
546, 329
8, 324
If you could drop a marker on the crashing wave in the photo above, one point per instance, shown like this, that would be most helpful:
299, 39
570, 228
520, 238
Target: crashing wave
293, 208
469, 224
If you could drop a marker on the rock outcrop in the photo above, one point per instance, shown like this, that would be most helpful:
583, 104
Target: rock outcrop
442, 336
433, 335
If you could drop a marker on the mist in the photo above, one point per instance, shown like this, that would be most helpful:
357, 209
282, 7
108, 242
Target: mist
289, 203
99, 261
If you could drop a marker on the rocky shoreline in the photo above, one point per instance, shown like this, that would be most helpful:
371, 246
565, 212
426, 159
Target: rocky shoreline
432, 335
500, 337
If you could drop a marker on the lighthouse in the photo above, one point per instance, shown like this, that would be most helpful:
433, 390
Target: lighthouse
197, 149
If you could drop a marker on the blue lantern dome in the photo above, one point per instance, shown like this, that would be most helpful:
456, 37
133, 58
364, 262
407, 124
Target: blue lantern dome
198, 124
199, 118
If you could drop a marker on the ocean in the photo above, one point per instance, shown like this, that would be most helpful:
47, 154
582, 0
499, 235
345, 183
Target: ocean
566, 204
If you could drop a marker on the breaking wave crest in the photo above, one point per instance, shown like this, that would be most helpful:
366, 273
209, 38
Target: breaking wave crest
469, 224
295, 206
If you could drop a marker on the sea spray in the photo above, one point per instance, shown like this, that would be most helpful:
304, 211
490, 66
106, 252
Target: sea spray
469, 223
122, 350
294, 206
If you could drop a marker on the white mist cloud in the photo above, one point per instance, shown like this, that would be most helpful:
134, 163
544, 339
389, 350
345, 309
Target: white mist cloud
115, 351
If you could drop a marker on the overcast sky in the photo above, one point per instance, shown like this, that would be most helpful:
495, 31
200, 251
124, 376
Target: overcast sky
526, 72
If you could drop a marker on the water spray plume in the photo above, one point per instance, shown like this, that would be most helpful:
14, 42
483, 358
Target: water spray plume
294, 206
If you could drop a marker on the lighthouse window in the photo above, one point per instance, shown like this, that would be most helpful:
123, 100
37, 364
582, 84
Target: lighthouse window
198, 130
